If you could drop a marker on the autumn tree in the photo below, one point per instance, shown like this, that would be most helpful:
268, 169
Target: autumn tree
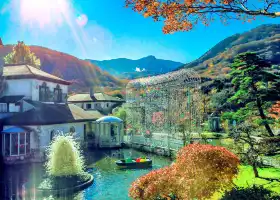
181, 15
275, 111
198, 172
255, 89
21, 54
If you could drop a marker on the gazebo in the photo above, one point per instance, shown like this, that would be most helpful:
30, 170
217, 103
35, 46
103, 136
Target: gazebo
15, 143
108, 132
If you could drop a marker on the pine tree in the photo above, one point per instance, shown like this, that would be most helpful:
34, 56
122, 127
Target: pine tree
256, 88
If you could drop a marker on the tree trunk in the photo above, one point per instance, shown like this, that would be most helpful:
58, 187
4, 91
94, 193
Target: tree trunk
184, 139
255, 170
262, 115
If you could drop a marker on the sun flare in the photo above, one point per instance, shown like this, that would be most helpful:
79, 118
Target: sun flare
44, 12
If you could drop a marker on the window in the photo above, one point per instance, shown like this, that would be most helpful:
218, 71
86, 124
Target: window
7, 144
88, 106
43, 92
27, 144
53, 134
3, 107
108, 105
57, 94
21, 143
72, 129
17, 144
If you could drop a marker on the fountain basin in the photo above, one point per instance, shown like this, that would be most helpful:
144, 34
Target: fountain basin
64, 185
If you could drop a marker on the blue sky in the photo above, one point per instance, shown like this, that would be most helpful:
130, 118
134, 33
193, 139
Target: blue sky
105, 29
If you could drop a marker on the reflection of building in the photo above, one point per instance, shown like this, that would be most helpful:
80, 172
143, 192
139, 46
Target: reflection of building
101, 102
33, 110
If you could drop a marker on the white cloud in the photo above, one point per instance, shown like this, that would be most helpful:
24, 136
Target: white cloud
138, 69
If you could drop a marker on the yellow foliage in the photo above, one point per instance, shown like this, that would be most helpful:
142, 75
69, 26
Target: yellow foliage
64, 157
21, 54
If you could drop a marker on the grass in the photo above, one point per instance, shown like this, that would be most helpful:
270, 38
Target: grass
208, 134
276, 157
247, 179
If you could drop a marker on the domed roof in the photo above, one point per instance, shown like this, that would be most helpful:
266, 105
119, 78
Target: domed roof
109, 119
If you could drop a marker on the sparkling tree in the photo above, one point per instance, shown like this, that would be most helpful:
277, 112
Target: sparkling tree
159, 104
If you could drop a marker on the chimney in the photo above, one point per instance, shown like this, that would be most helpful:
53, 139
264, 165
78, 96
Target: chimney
91, 93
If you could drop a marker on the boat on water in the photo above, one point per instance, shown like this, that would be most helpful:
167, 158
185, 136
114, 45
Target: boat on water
136, 163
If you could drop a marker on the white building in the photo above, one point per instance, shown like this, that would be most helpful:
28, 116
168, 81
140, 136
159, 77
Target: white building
33, 109
101, 102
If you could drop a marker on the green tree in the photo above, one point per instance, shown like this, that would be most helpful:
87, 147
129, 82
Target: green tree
121, 113
255, 89
21, 54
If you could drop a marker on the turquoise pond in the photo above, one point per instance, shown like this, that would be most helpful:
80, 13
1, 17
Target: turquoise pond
110, 183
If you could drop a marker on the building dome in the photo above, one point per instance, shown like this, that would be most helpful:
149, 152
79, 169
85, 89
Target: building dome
109, 119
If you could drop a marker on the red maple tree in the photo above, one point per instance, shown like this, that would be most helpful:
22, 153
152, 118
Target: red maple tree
275, 111
198, 172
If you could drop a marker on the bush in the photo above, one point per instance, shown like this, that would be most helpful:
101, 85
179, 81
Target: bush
198, 172
217, 135
252, 193
64, 157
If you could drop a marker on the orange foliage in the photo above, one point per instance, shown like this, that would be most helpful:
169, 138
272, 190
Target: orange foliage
198, 172
183, 15
275, 110
226, 70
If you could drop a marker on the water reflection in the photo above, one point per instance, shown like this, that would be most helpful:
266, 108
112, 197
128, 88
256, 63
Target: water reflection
18, 182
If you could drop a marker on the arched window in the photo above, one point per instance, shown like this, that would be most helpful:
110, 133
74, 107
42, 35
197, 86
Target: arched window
72, 129
57, 94
53, 134
43, 92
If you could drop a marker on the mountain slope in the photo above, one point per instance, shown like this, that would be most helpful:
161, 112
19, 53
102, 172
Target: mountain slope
264, 40
126, 68
83, 73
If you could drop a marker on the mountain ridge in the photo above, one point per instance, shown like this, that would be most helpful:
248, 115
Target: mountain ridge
83, 73
264, 40
127, 68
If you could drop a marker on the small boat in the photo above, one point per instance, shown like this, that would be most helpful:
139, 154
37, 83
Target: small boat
134, 163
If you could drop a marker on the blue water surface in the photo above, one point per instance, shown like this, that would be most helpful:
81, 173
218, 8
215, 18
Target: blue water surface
110, 183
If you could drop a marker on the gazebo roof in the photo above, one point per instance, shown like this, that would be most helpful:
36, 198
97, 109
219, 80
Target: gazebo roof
109, 119
15, 129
